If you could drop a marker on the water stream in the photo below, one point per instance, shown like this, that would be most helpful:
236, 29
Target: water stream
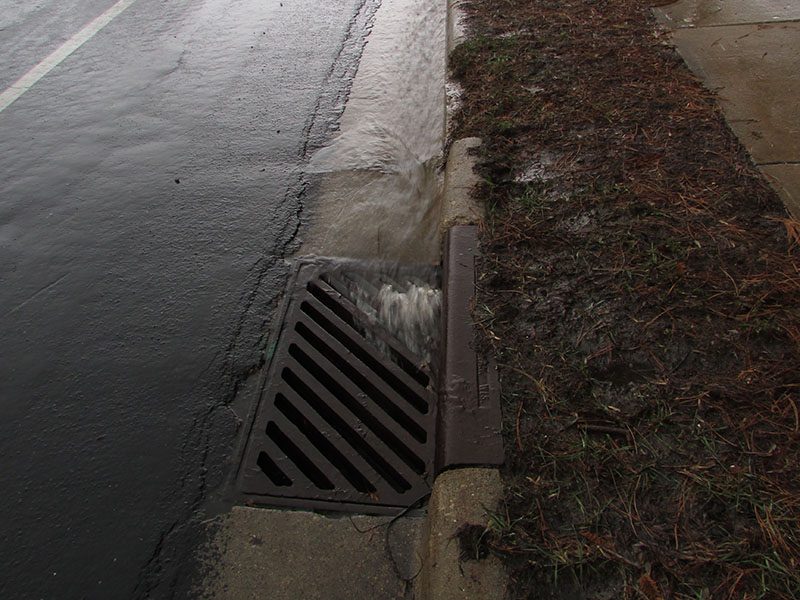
378, 182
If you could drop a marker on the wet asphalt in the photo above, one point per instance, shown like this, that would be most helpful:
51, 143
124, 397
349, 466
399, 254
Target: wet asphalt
149, 187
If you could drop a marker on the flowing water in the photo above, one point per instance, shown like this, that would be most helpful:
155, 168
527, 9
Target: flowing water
378, 182
412, 315
407, 305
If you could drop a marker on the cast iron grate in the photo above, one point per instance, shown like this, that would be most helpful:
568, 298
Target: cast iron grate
347, 416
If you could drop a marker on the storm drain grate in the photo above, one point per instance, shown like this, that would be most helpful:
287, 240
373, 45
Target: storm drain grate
347, 416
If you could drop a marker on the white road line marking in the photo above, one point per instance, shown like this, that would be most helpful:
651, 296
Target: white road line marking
24, 83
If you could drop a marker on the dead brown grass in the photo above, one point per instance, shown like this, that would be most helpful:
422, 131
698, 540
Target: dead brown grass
639, 290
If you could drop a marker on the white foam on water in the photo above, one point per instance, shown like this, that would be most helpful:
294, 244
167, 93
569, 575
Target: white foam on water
411, 315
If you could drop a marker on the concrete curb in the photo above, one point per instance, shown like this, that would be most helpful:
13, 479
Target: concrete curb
469, 420
470, 434
458, 206
460, 496
456, 32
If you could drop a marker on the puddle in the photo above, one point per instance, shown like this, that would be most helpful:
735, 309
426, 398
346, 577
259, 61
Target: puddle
377, 183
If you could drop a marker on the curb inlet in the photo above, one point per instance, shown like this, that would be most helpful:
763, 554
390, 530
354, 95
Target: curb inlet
347, 418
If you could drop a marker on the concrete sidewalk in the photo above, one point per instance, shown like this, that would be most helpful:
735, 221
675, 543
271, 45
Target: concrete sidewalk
748, 51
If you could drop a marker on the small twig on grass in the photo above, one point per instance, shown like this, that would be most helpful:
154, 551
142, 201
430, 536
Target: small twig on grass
735, 287
537, 383
607, 350
656, 318
604, 429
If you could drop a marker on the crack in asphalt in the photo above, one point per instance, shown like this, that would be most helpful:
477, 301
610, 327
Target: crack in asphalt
36, 294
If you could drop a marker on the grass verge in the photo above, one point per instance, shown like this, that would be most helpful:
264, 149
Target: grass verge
639, 291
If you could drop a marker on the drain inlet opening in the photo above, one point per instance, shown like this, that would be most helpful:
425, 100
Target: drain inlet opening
347, 415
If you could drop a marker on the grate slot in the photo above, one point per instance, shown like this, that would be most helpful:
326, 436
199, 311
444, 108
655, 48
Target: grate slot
413, 371
370, 389
346, 314
272, 470
298, 457
295, 478
336, 307
367, 357
357, 409
336, 283
353, 437
325, 447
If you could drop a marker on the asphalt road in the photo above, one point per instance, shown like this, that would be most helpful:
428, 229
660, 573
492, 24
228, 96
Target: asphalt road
150, 184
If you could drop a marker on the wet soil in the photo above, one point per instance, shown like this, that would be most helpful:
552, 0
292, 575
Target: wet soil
639, 293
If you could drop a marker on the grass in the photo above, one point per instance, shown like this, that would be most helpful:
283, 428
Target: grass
639, 293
